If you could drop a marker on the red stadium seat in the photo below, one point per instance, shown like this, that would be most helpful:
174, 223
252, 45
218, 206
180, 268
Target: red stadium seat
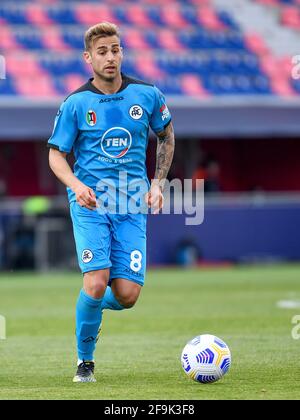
36, 14
91, 13
147, 67
279, 72
290, 16
282, 87
7, 39
72, 81
269, 65
22, 65
169, 41
171, 16
138, 16
133, 38
41, 87
256, 44
209, 19
52, 39
191, 85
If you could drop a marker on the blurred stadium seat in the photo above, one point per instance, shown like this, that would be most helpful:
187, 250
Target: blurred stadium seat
186, 47
289, 11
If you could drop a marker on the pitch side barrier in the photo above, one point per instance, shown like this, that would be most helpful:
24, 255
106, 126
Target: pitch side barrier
221, 117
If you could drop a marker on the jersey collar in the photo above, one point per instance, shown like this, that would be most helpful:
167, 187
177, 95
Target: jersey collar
125, 83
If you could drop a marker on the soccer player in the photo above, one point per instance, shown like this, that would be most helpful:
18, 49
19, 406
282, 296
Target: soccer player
106, 123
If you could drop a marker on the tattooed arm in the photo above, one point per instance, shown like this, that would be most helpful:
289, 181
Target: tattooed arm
164, 154
164, 157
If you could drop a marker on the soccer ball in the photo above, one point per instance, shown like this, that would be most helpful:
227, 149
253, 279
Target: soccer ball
206, 358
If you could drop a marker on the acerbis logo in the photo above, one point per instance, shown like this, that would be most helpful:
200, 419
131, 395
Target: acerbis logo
105, 100
87, 255
136, 112
116, 142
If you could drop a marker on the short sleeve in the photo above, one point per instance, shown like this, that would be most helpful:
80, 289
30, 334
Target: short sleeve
161, 116
65, 129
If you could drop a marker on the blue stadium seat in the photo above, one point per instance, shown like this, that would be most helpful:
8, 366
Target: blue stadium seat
128, 65
296, 85
62, 14
73, 38
287, 2
13, 14
30, 39
7, 87
190, 16
154, 14
60, 86
261, 85
227, 19
170, 86
63, 65
121, 15
152, 39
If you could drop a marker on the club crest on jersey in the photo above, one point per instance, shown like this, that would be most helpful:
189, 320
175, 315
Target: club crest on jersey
91, 117
116, 142
87, 255
136, 112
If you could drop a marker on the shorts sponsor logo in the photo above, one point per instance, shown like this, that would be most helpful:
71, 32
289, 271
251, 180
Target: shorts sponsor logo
136, 112
91, 118
116, 142
87, 256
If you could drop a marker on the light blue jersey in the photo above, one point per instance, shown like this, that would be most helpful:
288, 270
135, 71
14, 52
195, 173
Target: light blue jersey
109, 137
109, 133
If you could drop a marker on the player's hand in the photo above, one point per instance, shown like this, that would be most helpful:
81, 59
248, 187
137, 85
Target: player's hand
154, 198
85, 197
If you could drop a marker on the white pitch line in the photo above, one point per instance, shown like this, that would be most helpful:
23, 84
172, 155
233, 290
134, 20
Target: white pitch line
288, 304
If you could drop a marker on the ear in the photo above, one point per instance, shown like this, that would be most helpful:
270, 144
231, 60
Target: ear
87, 57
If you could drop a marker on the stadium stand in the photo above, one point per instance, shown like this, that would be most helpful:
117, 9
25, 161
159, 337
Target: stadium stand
288, 11
184, 47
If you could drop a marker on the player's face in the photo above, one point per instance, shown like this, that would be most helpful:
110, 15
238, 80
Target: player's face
105, 56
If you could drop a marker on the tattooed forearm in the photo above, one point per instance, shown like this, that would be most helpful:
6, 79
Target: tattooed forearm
165, 152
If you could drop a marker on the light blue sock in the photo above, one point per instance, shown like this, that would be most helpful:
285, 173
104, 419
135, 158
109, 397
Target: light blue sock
88, 319
110, 302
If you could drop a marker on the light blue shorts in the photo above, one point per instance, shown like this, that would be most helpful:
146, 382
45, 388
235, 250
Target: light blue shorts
110, 241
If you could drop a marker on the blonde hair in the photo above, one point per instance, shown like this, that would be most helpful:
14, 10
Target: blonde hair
100, 30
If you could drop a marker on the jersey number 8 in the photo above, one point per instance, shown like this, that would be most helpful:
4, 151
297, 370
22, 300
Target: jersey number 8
136, 260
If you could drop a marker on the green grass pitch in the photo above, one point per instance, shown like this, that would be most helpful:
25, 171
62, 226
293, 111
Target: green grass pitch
138, 355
